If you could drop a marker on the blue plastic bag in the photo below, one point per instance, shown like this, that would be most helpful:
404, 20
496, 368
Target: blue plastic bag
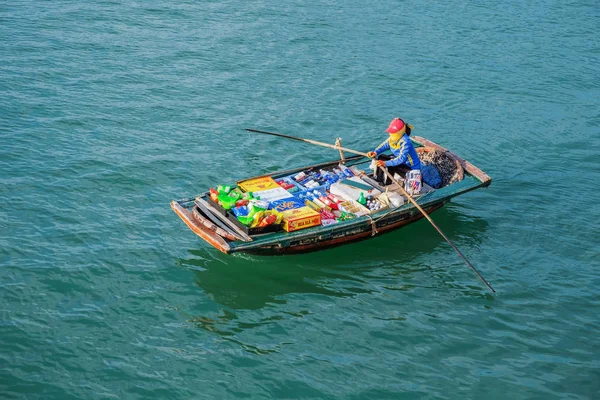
241, 211
431, 176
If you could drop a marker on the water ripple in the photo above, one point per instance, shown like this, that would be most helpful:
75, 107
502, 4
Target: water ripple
109, 110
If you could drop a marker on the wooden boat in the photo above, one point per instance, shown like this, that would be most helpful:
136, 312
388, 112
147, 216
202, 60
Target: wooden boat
208, 223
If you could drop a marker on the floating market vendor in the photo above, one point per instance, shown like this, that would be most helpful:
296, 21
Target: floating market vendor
404, 156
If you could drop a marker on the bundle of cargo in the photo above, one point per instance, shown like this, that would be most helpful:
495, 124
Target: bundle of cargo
298, 201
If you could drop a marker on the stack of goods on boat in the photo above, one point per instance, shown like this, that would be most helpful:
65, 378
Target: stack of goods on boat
301, 200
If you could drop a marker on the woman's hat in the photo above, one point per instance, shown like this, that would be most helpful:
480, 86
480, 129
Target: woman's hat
396, 126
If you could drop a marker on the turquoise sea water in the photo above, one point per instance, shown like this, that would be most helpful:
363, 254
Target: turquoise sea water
109, 110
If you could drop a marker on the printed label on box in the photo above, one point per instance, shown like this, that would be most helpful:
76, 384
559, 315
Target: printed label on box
273, 194
258, 184
300, 218
286, 204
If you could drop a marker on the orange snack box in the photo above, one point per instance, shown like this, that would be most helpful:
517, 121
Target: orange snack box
300, 218
258, 184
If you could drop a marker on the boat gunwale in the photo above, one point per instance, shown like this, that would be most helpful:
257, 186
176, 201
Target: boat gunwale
405, 209
471, 169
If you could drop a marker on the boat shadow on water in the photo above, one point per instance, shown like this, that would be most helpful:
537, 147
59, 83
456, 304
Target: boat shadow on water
243, 281
399, 260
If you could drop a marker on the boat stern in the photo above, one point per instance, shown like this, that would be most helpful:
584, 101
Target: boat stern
205, 231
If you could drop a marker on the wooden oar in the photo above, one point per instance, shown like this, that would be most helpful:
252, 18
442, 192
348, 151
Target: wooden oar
404, 192
385, 171
331, 146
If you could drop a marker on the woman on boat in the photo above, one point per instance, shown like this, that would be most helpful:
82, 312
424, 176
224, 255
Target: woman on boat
404, 157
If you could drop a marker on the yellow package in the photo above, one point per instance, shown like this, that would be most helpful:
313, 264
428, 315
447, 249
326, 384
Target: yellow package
257, 218
258, 184
278, 215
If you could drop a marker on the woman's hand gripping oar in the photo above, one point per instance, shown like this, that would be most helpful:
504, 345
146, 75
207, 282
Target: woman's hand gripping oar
386, 172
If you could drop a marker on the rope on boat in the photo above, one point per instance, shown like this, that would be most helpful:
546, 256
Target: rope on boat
391, 210
373, 226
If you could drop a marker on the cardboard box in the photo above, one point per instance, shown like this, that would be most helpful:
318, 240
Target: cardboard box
258, 184
300, 218
353, 207
347, 192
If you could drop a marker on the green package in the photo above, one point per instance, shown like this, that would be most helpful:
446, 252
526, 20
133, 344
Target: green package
253, 209
226, 202
222, 189
246, 220
236, 193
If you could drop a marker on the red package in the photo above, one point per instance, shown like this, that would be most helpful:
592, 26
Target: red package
327, 214
241, 202
285, 185
327, 201
214, 195
268, 220
333, 198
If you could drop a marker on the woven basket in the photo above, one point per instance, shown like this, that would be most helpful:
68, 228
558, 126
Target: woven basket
450, 169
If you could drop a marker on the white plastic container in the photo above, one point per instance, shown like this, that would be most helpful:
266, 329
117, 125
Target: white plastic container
372, 166
413, 184
351, 193
273, 194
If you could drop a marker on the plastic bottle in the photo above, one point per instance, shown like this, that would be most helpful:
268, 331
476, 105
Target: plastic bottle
361, 199
299, 177
339, 173
346, 171
329, 177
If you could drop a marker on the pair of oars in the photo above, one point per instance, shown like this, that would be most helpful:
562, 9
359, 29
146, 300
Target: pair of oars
385, 171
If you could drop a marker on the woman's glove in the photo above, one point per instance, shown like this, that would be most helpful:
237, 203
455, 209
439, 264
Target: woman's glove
380, 163
371, 154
